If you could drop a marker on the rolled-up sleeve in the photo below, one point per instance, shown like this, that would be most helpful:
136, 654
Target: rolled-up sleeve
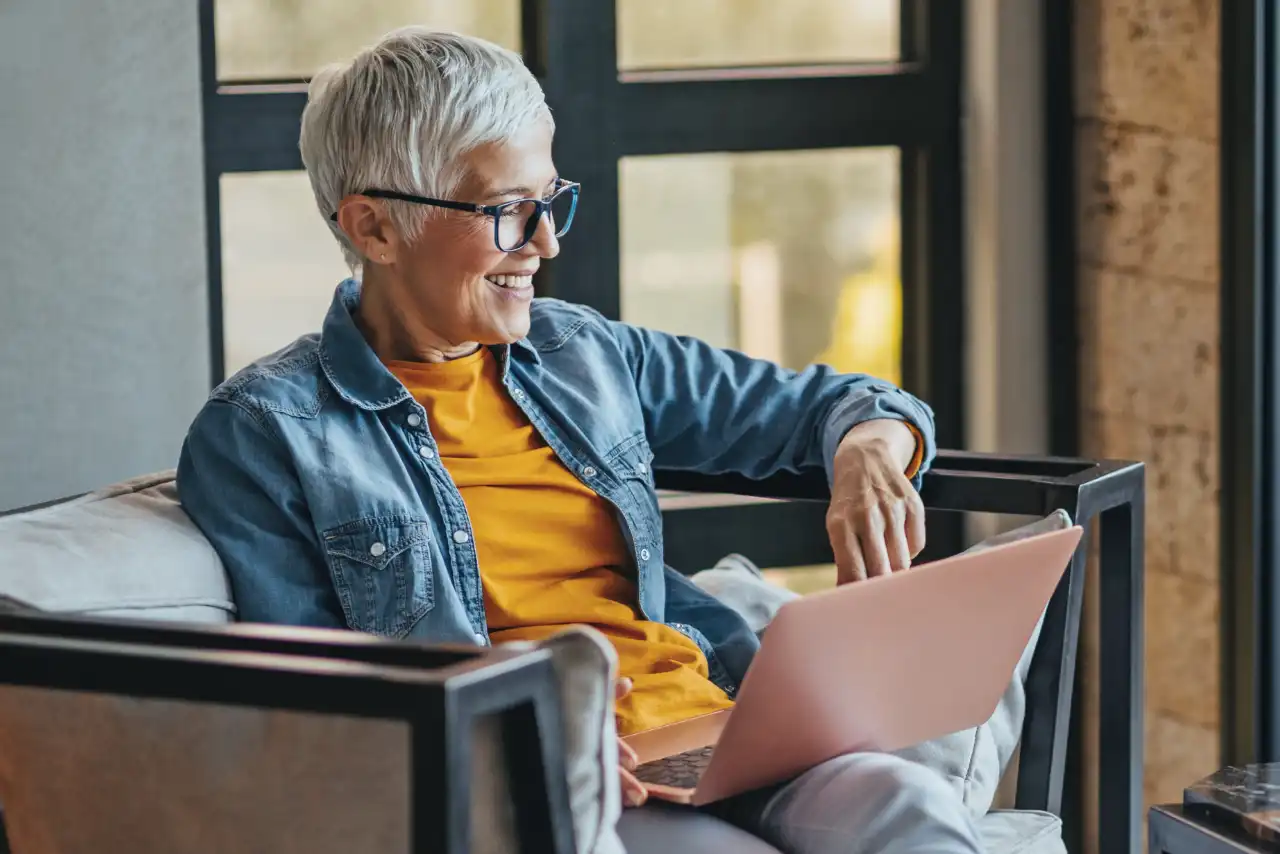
236, 482
878, 399
716, 411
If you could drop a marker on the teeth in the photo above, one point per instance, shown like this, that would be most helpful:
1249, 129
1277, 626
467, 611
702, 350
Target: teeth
512, 282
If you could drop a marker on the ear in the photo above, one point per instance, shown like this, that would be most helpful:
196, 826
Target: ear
367, 225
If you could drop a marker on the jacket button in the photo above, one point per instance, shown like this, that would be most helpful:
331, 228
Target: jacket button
644, 555
461, 537
414, 419
426, 453
377, 549
588, 472
481, 639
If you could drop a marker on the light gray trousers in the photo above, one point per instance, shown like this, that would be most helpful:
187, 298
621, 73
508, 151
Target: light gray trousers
868, 803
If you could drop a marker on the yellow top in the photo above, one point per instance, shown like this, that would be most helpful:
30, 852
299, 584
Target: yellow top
551, 551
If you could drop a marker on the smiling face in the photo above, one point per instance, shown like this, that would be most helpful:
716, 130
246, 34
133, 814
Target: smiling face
451, 288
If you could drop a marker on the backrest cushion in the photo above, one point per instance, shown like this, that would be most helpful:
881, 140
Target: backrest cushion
125, 551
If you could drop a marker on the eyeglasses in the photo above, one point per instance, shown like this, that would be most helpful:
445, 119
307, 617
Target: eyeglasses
514, 222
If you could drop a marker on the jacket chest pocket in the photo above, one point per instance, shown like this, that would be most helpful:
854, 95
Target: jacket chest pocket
632, 464
381, 569
632, 461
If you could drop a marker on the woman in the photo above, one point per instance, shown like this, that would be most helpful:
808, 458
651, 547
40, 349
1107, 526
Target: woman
454, 461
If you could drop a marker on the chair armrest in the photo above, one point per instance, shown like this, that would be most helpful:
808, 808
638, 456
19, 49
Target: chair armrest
440, 692
958, 480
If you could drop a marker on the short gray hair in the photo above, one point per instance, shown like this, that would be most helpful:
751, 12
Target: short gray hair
401, 114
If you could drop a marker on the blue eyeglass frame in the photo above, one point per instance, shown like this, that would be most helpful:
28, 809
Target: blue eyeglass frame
495, 211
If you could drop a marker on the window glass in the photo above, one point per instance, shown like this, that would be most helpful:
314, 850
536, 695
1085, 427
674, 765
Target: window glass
711, 33
275, 39
280, 264
791, 256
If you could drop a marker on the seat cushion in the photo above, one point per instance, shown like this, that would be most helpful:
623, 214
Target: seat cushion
660, 829
125, 551
1021, 832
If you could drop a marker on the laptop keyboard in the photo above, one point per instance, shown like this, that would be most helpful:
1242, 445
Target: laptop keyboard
681, 771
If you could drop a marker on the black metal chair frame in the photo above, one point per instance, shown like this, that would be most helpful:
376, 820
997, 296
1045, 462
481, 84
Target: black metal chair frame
438, 691
1106, 498
442, 691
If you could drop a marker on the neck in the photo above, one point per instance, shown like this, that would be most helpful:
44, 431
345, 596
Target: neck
395, 332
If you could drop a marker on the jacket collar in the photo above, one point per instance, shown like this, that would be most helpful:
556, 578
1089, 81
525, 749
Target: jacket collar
355, 371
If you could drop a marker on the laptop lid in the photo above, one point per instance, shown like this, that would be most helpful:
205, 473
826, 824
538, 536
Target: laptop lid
886, 663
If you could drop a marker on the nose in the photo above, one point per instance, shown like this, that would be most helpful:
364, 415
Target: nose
544, 240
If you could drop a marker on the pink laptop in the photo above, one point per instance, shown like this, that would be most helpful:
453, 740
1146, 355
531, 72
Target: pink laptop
874, 666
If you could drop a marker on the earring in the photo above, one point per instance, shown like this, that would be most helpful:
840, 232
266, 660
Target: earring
383, 256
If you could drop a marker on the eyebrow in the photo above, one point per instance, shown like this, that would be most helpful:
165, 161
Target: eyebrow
517, 191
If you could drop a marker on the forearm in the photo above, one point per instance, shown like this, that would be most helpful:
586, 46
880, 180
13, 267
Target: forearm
714, 411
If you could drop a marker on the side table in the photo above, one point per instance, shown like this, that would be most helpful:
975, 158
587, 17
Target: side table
1171, 830
1234, 810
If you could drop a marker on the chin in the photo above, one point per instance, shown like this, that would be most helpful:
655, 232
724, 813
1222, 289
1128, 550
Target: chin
508, 330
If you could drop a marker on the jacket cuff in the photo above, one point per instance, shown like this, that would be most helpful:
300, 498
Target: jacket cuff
875, 402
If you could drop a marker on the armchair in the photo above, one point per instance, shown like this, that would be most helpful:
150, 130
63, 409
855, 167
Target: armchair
704, 518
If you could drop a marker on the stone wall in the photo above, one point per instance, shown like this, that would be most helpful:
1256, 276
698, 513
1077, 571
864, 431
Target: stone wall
1147, 158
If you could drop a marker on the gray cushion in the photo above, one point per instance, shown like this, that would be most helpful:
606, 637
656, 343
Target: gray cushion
126, 551
660, 829
1021, 832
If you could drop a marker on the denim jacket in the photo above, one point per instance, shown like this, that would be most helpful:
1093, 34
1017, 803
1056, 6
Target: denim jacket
314, 473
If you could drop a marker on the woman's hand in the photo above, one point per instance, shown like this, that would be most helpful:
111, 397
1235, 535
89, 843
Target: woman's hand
633, 791
876, 518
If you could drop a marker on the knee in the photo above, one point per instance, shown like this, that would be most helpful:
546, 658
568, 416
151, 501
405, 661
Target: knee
897, 791
871, 802
902, 781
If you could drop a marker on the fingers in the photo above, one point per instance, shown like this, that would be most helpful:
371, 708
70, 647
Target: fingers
627, 757
895, 542
850, 565
914, 525
872, 537
633, 791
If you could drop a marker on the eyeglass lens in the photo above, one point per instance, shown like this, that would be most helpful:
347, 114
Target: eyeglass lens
516, 223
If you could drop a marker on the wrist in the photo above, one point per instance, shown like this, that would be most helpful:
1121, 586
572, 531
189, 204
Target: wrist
896, 438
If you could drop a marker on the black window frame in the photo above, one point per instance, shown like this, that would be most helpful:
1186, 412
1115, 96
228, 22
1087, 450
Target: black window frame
602, 115
1250, 381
